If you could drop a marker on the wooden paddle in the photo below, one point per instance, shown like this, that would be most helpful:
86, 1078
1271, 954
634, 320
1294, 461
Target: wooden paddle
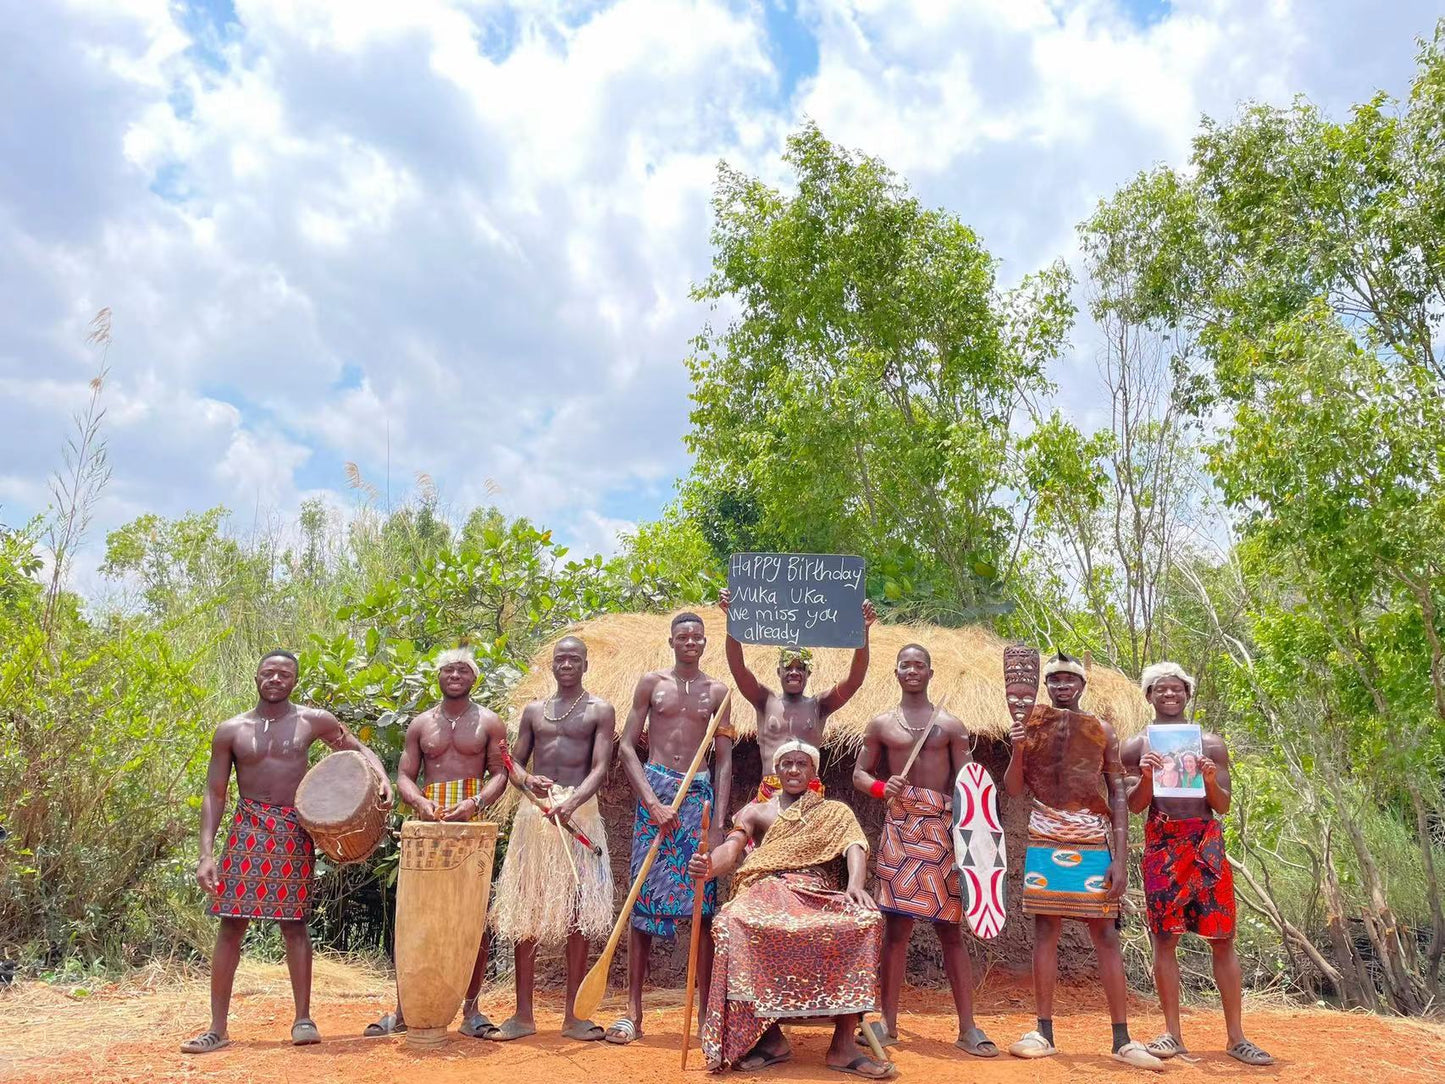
698, 890
594, 984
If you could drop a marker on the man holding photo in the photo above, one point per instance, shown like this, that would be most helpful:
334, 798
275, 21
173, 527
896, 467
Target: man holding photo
1187, 880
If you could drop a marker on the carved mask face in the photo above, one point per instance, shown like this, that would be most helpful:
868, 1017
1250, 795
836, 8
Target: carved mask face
1020, 700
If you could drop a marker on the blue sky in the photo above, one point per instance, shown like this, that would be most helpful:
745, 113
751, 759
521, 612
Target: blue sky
458, 235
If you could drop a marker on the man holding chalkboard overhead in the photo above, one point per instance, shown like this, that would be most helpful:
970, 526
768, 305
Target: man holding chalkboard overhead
792, 715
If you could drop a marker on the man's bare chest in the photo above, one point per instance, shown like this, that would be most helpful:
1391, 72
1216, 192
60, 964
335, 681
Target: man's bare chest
275, 743
800, 718
464, 737
683, 701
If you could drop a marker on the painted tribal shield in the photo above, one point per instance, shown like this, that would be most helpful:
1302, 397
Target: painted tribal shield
978, 848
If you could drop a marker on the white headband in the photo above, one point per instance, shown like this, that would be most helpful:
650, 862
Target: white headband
796, 746
1151, 675
1065, 664
462, 655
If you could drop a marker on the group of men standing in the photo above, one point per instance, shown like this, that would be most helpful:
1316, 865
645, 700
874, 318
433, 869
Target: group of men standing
801, 937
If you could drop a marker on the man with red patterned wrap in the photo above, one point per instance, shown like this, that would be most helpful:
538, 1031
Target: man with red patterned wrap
917, 876
1188, 884
266, 869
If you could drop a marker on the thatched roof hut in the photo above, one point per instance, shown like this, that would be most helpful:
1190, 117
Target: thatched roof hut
967, 669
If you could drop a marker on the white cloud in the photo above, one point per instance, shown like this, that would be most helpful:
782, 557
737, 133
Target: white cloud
459, 236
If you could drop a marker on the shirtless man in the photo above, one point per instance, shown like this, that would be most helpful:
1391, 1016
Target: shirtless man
266, 869
793, 715
1069, 760
539, 899
453, 746
1188, 884
676, 706
917, 877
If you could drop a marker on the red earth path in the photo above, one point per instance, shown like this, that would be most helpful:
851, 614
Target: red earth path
131, 1032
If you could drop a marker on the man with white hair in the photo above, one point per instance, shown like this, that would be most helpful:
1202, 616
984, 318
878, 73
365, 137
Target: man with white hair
1188, 884
1078, 840
790, 943
453, 747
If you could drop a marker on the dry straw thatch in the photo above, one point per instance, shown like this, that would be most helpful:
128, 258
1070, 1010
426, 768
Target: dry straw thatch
967, 674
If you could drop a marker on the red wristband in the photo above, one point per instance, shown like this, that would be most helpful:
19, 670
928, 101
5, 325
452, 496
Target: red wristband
878, 788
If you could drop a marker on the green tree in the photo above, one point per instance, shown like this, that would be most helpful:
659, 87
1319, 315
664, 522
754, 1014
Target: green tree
862, 396
1300, 269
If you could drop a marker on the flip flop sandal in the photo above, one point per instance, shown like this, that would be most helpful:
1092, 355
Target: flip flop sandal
623, 1032
1166, 1046
205, 1043
978, 1044
1247, 1052
1032, 1045
1133, 1053
304, 1033
884, 1039
853, 1068
767, 1061
582, 1031
477, 1026
509, 1030
387, 1025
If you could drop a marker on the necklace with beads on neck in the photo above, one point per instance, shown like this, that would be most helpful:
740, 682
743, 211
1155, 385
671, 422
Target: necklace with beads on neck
569, 711
903, 720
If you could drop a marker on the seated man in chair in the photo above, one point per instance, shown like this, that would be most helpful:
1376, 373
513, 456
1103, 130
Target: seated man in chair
790, 944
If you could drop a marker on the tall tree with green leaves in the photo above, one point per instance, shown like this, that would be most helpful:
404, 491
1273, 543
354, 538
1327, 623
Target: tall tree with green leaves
1301, 269
862, 395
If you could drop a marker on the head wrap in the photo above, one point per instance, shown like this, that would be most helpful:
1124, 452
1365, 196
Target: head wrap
1020, 665
1065, 664
796, 746
794, 654
462, 655
1152, 674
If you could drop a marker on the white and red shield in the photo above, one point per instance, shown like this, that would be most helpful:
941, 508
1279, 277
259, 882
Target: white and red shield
978, 849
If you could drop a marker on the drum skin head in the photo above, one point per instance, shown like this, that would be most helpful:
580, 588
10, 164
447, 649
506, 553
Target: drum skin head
337, 790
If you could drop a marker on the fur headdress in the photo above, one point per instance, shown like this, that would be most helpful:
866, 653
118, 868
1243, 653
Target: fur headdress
796, 746
1020, 665
462, 655
1065, 664
1152, 674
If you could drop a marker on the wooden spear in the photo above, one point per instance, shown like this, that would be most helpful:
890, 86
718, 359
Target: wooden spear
699, 889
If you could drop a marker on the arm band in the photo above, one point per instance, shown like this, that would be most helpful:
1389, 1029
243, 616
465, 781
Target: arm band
878, 788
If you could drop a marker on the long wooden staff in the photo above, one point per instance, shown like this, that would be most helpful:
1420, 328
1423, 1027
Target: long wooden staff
566, 848
699, 889
594, 984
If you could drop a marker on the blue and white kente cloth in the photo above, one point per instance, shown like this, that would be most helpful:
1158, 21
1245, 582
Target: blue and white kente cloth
667, 894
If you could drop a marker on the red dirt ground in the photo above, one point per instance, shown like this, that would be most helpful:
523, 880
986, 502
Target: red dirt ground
131, 1032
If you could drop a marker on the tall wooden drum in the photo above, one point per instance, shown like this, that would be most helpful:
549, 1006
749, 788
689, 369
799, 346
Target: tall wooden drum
340, 804
442, 893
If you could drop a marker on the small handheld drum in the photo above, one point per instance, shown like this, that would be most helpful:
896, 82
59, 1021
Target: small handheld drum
340, 804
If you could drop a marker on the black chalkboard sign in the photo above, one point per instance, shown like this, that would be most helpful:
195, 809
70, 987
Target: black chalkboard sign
796, 599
